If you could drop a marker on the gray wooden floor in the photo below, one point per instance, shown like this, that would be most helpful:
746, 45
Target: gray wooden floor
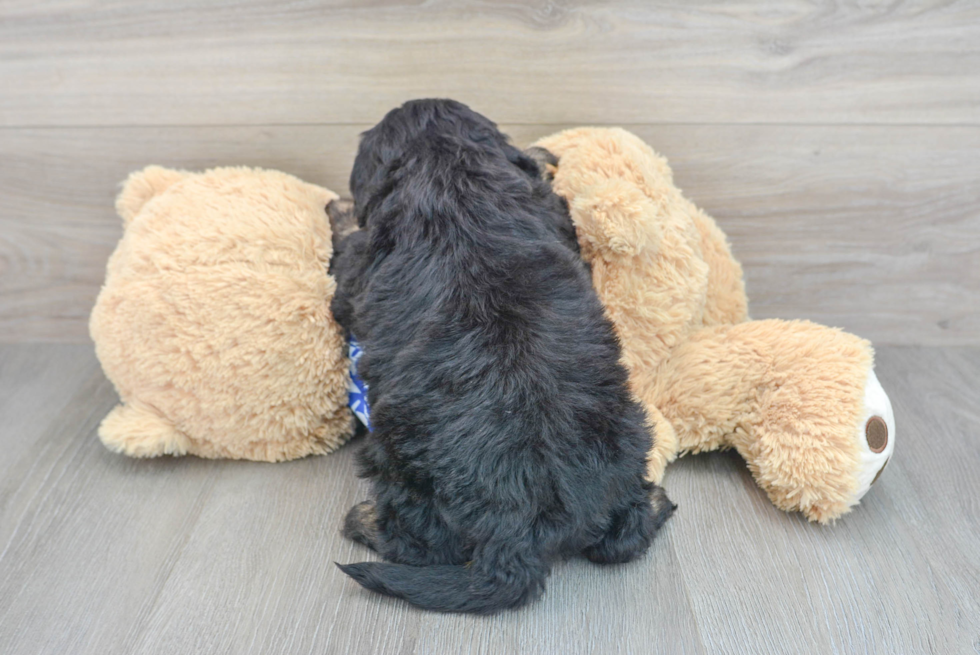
103, 554
836, 143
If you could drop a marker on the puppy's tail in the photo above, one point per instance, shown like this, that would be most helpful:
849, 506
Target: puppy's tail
497, 580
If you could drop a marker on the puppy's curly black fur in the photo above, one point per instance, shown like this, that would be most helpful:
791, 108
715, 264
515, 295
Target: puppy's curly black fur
505, 436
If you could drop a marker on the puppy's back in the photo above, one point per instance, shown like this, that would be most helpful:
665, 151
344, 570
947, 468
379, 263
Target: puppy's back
495, 380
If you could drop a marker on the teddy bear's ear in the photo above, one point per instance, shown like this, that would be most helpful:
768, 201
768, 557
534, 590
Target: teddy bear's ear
616, 219
143, 185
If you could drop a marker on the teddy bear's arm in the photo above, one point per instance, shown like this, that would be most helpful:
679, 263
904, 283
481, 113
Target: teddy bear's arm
725, 300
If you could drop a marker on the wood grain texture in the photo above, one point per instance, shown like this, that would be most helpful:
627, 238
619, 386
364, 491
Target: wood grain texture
103, 554
37, 382
873, 229
257, 62
82, 548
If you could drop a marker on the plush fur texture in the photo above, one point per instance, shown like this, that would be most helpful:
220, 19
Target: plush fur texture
214, 320
788, 395
505, 435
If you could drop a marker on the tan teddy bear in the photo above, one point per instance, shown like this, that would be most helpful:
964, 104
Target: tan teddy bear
800, 402
214, 322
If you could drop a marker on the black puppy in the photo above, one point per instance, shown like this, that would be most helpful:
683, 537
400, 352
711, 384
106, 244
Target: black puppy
505, 436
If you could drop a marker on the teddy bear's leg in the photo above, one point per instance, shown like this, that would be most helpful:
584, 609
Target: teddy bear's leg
799, 402
632, 527
138, 431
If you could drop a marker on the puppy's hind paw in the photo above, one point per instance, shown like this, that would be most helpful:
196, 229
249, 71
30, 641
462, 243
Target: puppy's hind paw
662, 507
361, 524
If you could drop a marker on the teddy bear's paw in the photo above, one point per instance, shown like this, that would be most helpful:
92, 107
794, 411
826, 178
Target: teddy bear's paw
875, 435
138, 431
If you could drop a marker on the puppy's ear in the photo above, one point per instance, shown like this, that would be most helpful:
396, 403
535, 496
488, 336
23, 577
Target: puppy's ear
546, 160
523, 161
369, 174
141, 186
340, 211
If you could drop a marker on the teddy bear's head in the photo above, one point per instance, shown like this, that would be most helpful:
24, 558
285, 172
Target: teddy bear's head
644, 240
214, 320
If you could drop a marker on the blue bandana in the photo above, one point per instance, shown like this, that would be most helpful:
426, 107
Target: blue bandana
357, 389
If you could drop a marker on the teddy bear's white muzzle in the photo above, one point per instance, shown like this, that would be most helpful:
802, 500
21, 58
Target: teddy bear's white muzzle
876, 434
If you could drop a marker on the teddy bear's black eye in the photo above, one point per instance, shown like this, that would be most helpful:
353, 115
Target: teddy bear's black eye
876, 433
